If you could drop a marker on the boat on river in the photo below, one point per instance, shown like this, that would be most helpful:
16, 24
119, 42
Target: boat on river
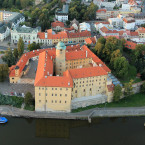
3, 120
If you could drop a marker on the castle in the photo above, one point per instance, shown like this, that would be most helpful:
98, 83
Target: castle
66, 78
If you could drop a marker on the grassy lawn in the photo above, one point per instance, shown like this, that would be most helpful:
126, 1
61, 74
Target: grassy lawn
136, 100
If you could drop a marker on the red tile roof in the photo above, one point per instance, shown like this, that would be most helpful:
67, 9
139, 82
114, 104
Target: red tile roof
141, 30
63, 34
101, 10
87, 72
106, 30
91, 40
130, 45
57, 23
133, 33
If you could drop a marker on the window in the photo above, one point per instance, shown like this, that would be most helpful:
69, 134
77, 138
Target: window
39, 101
66, 95
55, 88
60, 94
52, 101
55, 101
39, 88
75, 91
59, 101
84, 90
65, 101
52, 88
55, 94
46, 101
39, 94
90, 89
66, 89
52, 94
46, 94
60, 88
42, 88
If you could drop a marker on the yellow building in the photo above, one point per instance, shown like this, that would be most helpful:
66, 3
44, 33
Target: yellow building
68, 78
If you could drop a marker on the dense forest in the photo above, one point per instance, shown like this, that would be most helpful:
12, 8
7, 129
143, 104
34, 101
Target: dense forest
19, 4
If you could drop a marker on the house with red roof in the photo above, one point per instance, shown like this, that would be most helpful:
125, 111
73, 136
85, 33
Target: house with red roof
57, 26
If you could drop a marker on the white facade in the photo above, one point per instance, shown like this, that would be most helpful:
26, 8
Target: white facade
129, 26
126, 7
107, 5
84, 26
61, 17
29, 35
44, 41
4, 35
116, 22
139, 22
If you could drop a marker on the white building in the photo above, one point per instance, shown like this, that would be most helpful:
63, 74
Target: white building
129, 23
107, 5
29, 35
84, 26
126, 7
13, 19
116, 22
62, 14
4, 32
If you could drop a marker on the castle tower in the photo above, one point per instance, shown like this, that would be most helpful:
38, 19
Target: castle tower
60, 58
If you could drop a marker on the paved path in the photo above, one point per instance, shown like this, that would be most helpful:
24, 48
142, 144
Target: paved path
99, 112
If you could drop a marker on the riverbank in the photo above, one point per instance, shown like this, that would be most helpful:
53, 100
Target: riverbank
96, 112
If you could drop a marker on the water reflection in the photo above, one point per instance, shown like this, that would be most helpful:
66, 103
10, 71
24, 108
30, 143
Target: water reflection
50, 128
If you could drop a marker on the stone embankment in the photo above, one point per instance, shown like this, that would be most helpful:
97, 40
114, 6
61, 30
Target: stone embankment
97, 112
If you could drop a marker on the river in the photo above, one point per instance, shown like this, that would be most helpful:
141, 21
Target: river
102, 131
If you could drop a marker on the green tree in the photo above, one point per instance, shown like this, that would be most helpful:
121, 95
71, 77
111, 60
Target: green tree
143, 88
15, 53
121, 67
138, 57
28, 98
3, 72
117, 93
8, 58
143, 75
128, 88
20, 46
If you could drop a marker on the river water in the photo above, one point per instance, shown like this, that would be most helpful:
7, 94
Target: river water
102, 131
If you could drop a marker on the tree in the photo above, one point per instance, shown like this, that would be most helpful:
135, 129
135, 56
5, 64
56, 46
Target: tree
138, 57
128, 88
3, 72
15, 53
117, 93
33, 46
120, 67
114, 55
20, 46
8, 58
102, 40
99, 49
28, 98
143, 88
143, 75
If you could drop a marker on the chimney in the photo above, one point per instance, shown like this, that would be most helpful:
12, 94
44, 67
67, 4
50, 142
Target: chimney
51, 57
68, 83
45, 76
48, 73
86, 53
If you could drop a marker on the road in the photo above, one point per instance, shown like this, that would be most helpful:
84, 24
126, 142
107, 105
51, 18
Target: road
98, 112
